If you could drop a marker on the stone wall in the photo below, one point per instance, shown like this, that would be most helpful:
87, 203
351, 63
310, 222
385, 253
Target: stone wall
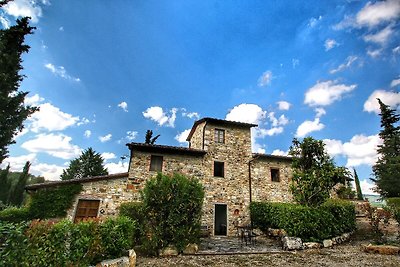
263, 188
196, 140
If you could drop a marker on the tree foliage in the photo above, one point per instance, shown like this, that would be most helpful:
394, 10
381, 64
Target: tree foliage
387, 168
358, 187
314, 172
13, 112
17, 194
89, 163
149, 139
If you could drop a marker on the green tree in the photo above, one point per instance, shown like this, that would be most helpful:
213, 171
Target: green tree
4, 185
314, 172
149, 139
387, 167
16, 196
358, 187
89, 163
13, 112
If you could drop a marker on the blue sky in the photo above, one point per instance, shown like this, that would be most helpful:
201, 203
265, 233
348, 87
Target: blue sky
103, 72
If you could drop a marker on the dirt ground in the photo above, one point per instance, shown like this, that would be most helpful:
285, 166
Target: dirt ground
348, 254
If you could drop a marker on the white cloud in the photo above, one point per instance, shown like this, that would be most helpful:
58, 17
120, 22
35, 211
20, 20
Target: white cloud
283, 105
349, 60
181, 137
325, 93
265, 78
24, 8
124, 106
247, 113
56, 145
131, 135
330, 43
281, 121
108, 155
367, 187
51, 118
61, 72
389, 98
260, 133
319, 112
33, 100
4, 22
17, 163
278, 152
87, 133
83, 121
359, 150
50, 172
373, 14
374, 53
396, 50
158, 115
105, 138
314, 21
380, 37
309, 126
395, 82
116, 167
190, 115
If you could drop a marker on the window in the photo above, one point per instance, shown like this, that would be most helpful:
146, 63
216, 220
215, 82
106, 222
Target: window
275, 175
219, 136
218, 169
156, 163
86, 209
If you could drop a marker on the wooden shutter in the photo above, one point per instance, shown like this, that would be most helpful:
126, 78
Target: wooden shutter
86, 209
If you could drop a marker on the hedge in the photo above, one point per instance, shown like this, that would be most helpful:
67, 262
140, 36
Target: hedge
44, 243
332, 218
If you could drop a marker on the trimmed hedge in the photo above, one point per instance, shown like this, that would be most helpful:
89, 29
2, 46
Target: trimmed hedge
332, 218
44, 243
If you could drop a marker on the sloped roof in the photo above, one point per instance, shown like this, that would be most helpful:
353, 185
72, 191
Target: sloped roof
219, 122
269, 156
165, 149
77, 181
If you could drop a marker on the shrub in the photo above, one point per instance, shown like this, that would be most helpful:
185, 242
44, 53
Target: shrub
135, 211
173, 211
309, 223
394, 206
13, 244
14, 214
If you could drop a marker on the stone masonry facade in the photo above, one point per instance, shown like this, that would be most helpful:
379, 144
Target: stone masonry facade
219, 155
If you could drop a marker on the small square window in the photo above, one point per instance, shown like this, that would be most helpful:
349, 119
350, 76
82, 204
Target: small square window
86, 209
219, 169
156, 163
275, 175
219, 136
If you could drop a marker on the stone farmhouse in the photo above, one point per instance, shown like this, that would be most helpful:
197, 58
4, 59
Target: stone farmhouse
219, 155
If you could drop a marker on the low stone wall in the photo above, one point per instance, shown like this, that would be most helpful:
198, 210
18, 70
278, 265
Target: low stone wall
129, 261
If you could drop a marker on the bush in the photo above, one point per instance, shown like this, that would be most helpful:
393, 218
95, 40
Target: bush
309, 223
394, 206
13, 214
45, 243
135, 211
173, 211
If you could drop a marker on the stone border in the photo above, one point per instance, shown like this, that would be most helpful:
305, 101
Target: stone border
295, 243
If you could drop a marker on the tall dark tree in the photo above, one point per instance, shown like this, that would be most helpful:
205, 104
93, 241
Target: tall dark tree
16, 196
13, 112
149, 139
314, 172
387, 168
4, 185
88, 164
358, 187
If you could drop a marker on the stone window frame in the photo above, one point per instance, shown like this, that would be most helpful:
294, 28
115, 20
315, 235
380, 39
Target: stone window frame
214, 168
87, 199
152, 167
278, 173
219, 136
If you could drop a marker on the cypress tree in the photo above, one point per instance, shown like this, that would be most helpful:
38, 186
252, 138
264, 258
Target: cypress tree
17, 194
387, 168
4, 185
358, 187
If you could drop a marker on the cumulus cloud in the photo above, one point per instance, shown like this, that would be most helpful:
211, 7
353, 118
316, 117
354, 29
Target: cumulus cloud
374, 53
389, 98
190, 115
108, 155
105, 138
158, 115
260, 132
181, 137
24, 8
265, 79
380, 37
131, 135
247, 113
281, 121
283, 105
373, 14
367, 187
51, 118
330, 43
359, 150
309, 126
325, 93
50, 172
314, 21
33, 100
278, 152
395, 82
61, 72
319, 112
349, 61
124, 106
17, 163
116, 167
87, 133
4, 22
56, 145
